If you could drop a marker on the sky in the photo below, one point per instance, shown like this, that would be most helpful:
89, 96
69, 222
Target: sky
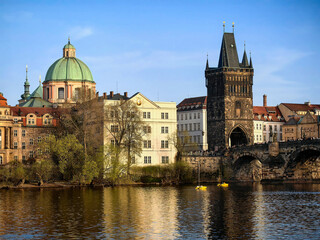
159, 48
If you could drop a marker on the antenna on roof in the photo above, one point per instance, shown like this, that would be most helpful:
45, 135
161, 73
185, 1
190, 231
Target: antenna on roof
224, 26
233, 27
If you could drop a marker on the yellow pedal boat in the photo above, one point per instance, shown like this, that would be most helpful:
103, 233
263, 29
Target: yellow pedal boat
223, 184
201, 187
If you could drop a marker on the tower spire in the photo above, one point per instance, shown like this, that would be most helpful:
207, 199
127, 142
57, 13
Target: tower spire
26, 93
251, 66
245, 58
207, 65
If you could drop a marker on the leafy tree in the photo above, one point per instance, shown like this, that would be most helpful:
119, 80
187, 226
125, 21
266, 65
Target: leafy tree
43, 169
114, 166
17, 172
182, 143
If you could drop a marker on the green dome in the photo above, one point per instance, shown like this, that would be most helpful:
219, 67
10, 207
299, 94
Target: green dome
69, 69
69, 45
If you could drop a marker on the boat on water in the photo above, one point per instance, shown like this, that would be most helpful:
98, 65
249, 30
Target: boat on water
200, 187
223, 184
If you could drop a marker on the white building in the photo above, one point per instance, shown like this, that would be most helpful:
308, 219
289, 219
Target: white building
192, 117
161, 123
268, 123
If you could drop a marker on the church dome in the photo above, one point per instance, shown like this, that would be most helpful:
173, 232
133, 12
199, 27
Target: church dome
69, 68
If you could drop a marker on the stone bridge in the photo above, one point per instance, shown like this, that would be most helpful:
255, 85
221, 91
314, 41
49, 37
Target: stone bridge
293, 160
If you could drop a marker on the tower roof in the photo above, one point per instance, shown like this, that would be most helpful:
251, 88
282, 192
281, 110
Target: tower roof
245, 62
228, 53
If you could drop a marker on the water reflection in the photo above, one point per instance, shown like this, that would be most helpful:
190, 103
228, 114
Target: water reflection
242, 211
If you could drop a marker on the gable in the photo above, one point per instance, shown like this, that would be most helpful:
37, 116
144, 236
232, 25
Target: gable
142, 101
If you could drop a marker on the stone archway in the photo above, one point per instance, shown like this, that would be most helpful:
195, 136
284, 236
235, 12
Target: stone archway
247, 168
237, 137
303, 164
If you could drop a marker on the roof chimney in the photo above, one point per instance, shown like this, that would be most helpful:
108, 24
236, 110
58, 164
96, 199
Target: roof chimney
111, 94
104, 95
126, 94
265, 100
307, 103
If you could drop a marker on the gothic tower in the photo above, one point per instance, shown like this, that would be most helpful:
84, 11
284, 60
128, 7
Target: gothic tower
229, 98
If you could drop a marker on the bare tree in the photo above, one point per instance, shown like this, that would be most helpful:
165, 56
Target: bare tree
182, 142
123, 123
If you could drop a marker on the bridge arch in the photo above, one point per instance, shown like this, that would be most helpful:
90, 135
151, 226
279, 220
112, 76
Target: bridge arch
238, 136
304, 164
247, 167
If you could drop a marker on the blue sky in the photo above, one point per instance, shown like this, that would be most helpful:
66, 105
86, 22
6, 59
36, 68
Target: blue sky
159, 48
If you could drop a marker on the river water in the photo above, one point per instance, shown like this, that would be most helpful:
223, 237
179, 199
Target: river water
242, 211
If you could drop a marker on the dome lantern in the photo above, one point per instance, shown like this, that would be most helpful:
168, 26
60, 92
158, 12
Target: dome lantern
69, 50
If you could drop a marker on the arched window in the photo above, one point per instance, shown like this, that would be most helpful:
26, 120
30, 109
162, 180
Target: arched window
47, 93
61, 93
238, 109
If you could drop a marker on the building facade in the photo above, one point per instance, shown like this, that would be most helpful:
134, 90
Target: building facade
160, 124
22, 129
229, 98
192, 118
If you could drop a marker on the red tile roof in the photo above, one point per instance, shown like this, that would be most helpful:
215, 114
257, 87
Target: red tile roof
24, 111
274, 112
301, 107
193, 103
3, 101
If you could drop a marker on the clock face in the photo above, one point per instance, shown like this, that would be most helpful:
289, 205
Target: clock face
138, 101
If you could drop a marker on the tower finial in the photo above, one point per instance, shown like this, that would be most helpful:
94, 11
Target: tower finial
26, 72
244, 45
224, 26
207, 64
69, 40
233, 27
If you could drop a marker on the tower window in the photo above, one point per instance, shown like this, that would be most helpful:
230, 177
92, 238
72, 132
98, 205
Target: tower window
238, 109
61, 93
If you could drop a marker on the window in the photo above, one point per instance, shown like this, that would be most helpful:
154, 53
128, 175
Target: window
178, 127
0, 139
39, 151
31, 141
39, 139
146, 129
114, 128
16, 158
264, 127
23, 133
181, 116
190, 116
198, 138
165, 129
15, 133
280, 128
23, 158
275, 128
198, 115
146, 115
199, 127
194, 115
23, 145
181, 127
260, 126
61, 93
186, 127
194, 139
15, 145
164, 144
177, 117
147, 144
190, 126
1, 162
112, 142
165, 116
147, 159
31, 154
165, 159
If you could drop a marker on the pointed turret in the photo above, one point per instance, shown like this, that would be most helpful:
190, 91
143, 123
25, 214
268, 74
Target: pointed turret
251, 66
207, 65
245, 62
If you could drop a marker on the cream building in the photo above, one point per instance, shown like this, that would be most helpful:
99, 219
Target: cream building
160, 119
192, 118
